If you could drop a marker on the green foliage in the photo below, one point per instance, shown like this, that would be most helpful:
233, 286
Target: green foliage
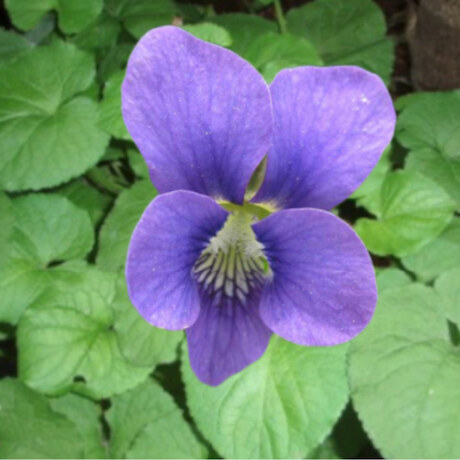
440, 255
404, 374
87, 377
145, 422
411, 211
119, 225
211, 33
47, 229
282, 406
111, 120
142, 15
429, 126
346, 33
41, 142
67, 340
29, 428
73, 15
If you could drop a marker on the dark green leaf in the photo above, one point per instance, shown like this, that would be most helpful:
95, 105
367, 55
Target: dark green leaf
346, 33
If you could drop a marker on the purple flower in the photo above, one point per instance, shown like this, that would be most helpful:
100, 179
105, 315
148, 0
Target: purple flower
204, 259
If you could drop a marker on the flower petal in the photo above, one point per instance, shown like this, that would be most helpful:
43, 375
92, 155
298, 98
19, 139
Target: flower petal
172, 232
200, 115
330, 127
226, 338
323, 289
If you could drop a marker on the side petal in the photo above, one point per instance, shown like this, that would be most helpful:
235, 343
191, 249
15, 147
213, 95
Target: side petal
323, 289
200, 115
331, 126
226, 338
167, 241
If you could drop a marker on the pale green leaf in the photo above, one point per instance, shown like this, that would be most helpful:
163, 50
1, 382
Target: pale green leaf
146, 423
404, 375
440, 255
448, 288
85, 415
368, 193
390, 278
47, 136
282, 406
66, 340
47, 229
211, 33
411, 212
30, 429
111, 120
138, 164
140, 342
117, 229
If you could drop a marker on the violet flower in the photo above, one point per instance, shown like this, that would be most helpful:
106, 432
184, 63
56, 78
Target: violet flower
204, 259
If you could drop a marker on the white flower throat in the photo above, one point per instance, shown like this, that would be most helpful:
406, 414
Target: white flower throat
233, 264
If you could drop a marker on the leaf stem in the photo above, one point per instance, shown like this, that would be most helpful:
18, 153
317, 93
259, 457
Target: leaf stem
280, 16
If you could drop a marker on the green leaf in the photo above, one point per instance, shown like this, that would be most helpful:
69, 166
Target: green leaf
66, 340
85, 415
111, 120
412, 211
282, 406
390, 278
6, 228
243, 29
138, 164
73, 15
140, 342
429, 126
12, 45
404, 376
368, 194
346, 33
88, 198
47, 136
431, 121
47, 229
30, 429
438, 256
117, 229
211, 33
142, 15
146, 423
100, 34
273, 52
448, 288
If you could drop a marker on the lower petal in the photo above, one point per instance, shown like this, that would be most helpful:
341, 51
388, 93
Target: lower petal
323, 289
167, 241
226, 338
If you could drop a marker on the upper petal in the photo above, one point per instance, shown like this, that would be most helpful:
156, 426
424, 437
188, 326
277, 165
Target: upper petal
167, 241
323, 289
331, 125
200, 115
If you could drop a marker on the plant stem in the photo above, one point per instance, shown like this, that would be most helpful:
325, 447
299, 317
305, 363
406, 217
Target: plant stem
280, 16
